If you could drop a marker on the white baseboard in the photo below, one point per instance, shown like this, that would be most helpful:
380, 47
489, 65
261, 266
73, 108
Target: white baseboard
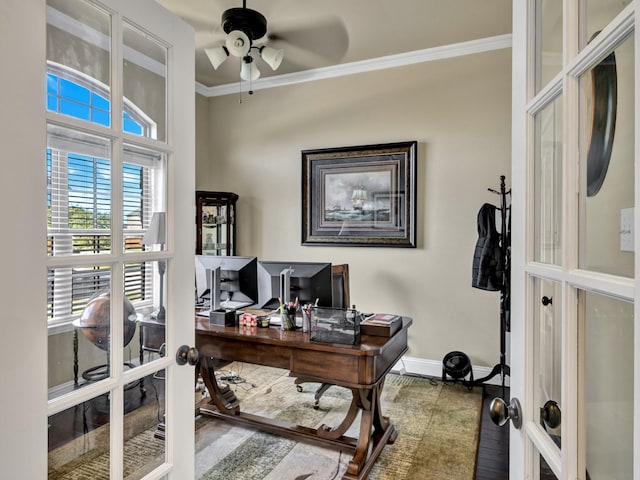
433, 368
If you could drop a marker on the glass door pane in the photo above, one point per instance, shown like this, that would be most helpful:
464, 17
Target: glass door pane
80, 354
548, 42
548, 349
607, 334
79, 439
144, 183
144, 442
145, 84
548, 183
597, 14
607, 164
547, 369
78, 192
79, 61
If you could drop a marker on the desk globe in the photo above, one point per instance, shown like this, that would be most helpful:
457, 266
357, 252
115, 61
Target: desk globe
94, 325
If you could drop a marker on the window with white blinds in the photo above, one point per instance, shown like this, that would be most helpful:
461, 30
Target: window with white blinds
80, 201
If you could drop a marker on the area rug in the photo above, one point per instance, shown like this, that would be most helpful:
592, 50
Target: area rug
87, 457
438, 430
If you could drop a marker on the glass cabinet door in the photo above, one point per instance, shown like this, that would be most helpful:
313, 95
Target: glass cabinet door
215, 220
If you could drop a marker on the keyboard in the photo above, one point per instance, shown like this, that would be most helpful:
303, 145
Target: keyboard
227, 305
231, 305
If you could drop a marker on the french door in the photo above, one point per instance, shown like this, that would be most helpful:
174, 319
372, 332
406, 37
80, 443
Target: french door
575, 341
98, 122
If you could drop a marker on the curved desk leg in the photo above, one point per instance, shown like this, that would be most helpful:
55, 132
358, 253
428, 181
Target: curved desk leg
375, 432
380, 422
334, 433
366, 399
222, 397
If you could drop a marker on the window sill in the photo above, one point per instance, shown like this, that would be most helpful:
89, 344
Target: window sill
59, 328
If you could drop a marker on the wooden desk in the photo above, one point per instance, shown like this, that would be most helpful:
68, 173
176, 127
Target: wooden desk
360, 368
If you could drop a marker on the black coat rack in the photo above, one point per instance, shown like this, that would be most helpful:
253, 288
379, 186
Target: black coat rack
502, 368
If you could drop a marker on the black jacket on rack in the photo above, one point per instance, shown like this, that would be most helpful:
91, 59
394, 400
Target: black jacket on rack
488, 260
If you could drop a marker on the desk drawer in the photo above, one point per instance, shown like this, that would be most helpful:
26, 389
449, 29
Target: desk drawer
335, 368
260, 354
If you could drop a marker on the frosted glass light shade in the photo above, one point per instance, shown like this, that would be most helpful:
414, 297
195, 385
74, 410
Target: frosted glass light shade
249, 71
271, 56
238, 43
217, 55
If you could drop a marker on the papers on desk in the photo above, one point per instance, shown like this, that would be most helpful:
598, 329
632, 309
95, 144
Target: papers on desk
381, 319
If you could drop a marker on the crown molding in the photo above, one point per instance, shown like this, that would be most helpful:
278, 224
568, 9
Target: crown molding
498, 42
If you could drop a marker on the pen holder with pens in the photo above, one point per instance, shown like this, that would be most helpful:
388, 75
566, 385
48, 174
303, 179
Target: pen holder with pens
288, 321
288, 315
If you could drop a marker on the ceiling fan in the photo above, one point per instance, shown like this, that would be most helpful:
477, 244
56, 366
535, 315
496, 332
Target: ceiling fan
243, 26
246, 34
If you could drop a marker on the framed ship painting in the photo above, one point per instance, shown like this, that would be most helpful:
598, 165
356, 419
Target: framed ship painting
360, 196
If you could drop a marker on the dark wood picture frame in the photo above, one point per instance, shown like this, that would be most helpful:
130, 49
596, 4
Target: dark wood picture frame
360, 196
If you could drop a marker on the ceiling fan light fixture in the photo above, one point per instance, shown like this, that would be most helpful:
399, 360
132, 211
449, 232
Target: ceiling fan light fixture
249, 71
217, 55
271, 56
238, 43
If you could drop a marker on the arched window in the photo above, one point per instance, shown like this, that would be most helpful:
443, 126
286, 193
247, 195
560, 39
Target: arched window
73, 93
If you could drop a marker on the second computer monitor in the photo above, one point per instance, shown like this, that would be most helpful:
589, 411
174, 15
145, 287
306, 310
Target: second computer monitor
307, 281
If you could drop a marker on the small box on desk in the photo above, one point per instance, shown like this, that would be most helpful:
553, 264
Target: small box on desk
222, 317
381, 325
335, 325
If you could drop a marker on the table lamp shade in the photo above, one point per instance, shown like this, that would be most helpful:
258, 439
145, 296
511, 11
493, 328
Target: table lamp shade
157, 231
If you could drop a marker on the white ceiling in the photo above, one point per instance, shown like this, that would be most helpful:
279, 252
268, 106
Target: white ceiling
321, 33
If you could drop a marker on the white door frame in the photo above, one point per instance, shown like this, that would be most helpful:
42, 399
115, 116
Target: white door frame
522, 453
23, 404
23, 285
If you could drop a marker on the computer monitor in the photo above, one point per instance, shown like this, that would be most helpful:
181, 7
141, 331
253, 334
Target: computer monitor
306, 281
230, 281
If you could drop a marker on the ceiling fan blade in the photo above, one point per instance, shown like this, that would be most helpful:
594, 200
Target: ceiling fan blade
324, 40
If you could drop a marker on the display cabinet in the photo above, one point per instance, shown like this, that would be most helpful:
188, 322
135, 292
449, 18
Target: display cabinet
216, 223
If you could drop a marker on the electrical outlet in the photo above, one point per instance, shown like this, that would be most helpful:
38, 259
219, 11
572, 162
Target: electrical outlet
626, 229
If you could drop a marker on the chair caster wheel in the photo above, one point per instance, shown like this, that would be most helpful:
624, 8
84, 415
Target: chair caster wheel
316, 406
299, 388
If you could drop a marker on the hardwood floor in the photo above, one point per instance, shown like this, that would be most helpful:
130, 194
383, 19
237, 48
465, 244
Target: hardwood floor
493, 449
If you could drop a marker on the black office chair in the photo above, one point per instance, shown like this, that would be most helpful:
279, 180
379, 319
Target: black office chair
340, 299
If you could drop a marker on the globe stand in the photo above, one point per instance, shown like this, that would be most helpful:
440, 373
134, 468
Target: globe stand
100, 372
97, 373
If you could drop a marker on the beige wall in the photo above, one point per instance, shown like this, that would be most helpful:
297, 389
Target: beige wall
458, 110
